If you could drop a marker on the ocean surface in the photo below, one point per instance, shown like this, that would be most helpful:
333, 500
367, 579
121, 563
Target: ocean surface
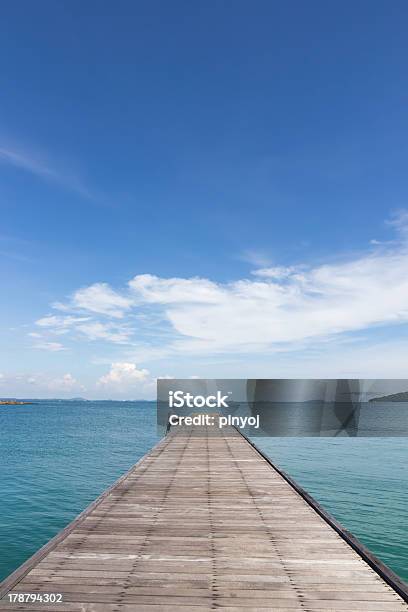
57, 456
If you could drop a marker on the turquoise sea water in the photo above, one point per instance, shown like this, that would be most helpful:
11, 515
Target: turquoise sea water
362, 482
57, 456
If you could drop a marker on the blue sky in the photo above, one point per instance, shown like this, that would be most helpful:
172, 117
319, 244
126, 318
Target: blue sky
258, 148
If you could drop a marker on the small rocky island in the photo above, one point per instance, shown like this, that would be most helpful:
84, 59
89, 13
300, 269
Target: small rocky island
394, 397
12, 402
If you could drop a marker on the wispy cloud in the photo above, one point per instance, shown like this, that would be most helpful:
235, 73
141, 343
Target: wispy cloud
53, 347
96, 330
12, 247
26, 163
255, 257
278, 272
399, 221
98, 298
13, 255
34, 164
83, 326
60, 325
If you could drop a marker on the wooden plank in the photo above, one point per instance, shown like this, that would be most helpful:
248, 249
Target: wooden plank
201, 523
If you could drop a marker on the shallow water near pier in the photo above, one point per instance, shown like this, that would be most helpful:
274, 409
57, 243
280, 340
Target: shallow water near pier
57, 456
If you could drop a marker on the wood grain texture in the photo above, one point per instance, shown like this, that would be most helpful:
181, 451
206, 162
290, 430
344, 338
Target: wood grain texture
202, 522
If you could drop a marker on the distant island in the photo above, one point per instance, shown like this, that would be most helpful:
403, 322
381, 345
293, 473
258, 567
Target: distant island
394, 397
13, 403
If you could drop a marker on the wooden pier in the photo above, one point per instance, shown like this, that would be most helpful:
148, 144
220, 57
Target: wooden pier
205, 522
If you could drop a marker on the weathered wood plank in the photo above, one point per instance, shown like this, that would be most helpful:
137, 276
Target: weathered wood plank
202, 523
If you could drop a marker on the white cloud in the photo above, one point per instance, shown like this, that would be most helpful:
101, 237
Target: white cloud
124, 375
54, 347
154, 290
100, 331
41, 385
276, 309
87, 326
399, 221
99, 298
59, 323
322, 301
278, 272
50, 321
61, 306
65, 383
